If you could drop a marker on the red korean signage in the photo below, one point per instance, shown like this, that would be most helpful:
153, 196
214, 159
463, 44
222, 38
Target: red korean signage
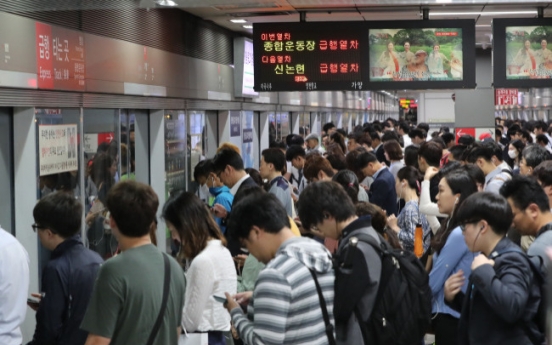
464, 131
60, 58
506, 96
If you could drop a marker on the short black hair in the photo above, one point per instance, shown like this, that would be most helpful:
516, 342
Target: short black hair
541, 125
448, 137
523, 191
457, 151
496, 149
262, 210
444, 129
60, 212
432, 153
389, 135
492, 208
374, 135
475, 173
363, 159
322, 199
294, 139
424, 126
534, 155
411, 156
542, 138
477, 151
404, 126
543, 173
295, 151
417, 132
227, 157
133, 206
200, 169
328, 126
439, 141
277, 145
337, 161
466, 139
276, 157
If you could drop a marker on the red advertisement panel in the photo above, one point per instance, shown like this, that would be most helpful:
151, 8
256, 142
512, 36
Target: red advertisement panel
44, 59
464, 131
60, 58
506, 96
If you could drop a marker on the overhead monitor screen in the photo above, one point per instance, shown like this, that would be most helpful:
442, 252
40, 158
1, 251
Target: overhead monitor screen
527, 52
416, 54
308, 56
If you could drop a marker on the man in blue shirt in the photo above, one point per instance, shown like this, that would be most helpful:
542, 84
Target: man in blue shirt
382, 190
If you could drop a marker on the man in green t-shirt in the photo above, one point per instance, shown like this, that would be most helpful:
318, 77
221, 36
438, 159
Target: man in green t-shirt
128, 293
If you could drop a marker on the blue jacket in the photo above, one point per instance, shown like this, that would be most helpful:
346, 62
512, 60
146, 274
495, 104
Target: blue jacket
383, 193
225, 198
67, 283
500, 301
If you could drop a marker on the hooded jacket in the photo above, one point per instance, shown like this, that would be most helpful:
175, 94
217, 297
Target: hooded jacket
225, 198
285, 307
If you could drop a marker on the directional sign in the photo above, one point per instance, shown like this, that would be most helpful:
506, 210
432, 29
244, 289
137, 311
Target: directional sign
464, 131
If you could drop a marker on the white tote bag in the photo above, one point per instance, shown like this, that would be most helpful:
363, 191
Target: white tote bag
194, 339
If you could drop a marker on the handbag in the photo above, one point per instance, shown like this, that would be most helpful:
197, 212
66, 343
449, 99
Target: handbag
194, 339
166, 287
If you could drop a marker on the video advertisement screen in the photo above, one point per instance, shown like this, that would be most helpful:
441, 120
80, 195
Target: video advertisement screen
421, 54
521, 53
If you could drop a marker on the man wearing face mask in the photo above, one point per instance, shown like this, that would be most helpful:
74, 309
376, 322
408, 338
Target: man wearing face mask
218, 190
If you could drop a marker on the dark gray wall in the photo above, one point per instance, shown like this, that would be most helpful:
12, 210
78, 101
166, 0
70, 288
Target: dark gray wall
475, 108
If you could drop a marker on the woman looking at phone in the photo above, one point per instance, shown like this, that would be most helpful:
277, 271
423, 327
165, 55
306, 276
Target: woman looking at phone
210, 270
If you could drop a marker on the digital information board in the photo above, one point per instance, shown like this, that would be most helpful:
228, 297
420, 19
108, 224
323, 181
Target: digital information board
319, 56
308, 56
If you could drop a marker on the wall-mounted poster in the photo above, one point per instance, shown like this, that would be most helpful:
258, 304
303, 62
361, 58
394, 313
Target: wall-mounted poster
527, 52
416, 54
57, 147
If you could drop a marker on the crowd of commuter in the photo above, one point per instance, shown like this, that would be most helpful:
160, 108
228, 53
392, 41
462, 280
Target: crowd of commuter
377, 236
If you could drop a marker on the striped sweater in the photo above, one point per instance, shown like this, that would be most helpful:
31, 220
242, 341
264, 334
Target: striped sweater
285, 307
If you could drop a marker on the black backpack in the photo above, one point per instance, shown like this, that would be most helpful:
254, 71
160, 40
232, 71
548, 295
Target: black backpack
402, 311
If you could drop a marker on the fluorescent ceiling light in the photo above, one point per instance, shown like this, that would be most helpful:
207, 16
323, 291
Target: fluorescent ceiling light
248, 26
495, 13
483, 26
443, 1
238, 21
165, 3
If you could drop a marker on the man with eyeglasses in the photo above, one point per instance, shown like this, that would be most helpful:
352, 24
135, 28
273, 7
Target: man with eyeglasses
68, 278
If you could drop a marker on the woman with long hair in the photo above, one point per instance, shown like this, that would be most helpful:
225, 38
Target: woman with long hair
450, 253
408, 189
210, 269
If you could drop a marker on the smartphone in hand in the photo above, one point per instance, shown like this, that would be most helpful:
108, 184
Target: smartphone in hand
219, 299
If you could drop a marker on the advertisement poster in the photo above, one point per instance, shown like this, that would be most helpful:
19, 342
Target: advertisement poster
248, 147
235, 124
416, 54
57, 147
527, 53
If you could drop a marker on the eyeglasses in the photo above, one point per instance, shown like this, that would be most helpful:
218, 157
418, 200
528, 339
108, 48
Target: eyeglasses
39, 227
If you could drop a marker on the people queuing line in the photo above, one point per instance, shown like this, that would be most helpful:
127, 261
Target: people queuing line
314, 248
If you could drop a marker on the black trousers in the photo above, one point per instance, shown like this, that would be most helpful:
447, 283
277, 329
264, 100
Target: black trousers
445, 327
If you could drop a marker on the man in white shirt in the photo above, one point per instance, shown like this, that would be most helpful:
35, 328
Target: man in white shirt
403, 131
14, 288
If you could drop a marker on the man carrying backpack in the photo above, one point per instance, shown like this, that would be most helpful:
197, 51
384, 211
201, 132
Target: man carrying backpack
501, 305
367, 280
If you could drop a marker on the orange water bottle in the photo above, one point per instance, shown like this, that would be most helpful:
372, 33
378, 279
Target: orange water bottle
419, 241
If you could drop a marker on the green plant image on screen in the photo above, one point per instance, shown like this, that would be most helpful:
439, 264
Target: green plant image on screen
416, 54
527, 53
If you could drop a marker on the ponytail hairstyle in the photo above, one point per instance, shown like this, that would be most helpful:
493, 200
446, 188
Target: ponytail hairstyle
460, 182
413, 178
348, 180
